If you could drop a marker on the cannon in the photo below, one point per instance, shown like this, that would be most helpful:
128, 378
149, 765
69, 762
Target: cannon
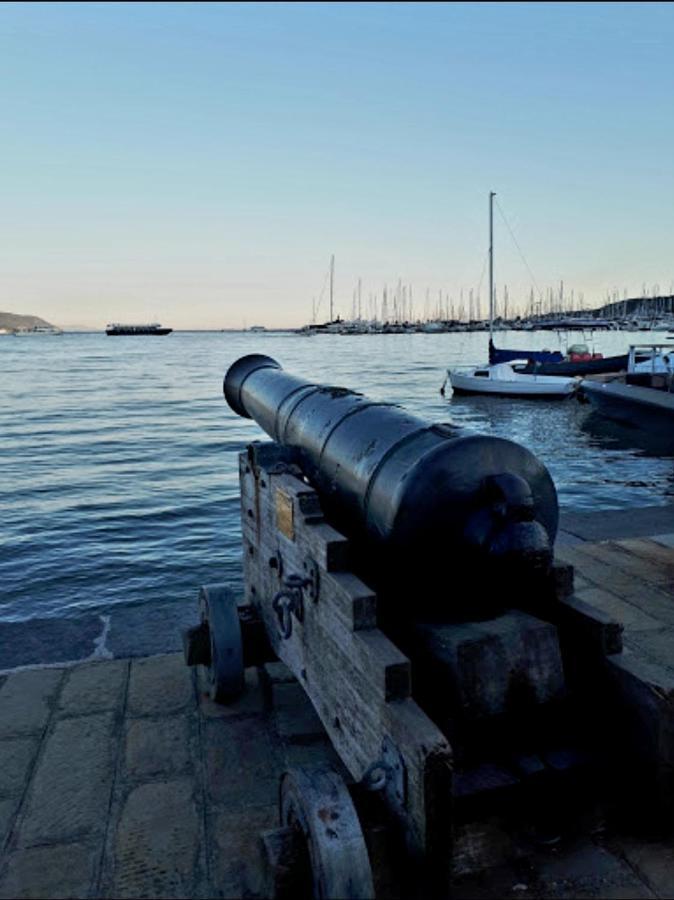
376, 546
413, 496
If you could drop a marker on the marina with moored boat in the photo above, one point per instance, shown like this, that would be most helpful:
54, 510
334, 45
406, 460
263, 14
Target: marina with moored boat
510, 373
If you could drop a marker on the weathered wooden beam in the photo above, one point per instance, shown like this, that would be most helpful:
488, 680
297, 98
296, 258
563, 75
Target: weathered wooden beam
357, 680
643, 731
582, 624
484, 665
562, 576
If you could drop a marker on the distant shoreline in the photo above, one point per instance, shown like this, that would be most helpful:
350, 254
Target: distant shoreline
191, 331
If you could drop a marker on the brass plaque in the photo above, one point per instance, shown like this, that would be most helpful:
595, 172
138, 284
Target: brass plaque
285, 514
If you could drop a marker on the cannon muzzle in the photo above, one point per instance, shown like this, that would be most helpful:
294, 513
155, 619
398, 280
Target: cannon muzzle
433, 505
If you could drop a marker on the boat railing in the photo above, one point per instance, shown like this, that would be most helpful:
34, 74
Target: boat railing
654, 352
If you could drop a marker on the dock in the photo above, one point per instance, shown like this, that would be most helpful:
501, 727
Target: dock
121, 778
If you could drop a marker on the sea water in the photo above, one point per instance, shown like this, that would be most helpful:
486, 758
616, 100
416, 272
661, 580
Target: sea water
118, 456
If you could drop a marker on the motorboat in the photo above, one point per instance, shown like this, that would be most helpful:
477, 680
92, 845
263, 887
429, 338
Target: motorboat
643, 396
509, 379
579, 360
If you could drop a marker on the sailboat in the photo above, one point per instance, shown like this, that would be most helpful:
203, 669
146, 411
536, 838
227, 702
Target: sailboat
333, 326
504, 375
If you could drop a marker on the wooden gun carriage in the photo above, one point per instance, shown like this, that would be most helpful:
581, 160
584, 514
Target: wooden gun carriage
404, 574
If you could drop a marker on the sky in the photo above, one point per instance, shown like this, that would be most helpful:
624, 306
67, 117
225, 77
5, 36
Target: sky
198, 164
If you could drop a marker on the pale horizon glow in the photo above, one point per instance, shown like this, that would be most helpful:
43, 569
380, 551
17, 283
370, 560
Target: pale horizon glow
198, 164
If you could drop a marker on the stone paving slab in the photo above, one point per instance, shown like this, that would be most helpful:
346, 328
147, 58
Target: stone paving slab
70, 791
159, 685
57, 870
581, 869
25, 701
235, 863
8, 809
16, 758
655, 862
157, 747
93, 688
158, 841
243, 762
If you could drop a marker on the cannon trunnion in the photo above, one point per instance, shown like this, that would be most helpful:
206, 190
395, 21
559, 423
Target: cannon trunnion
404, 574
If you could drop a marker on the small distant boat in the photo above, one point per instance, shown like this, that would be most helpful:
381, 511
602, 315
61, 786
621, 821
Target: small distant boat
118, 329
257, 328
36, 329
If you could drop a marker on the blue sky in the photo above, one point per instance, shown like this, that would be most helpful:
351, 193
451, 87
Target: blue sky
197, 164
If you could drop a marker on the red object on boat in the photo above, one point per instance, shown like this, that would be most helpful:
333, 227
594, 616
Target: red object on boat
583, 355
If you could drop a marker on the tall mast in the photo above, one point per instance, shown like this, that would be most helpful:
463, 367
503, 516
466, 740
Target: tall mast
332, 283
491, 263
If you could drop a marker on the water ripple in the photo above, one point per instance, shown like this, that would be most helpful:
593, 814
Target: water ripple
119, 471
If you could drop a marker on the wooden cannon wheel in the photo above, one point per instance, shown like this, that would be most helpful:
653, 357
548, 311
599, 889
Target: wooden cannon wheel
218, 609
317, 803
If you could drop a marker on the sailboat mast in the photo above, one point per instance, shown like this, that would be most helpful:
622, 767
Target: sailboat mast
491, 263
332, 284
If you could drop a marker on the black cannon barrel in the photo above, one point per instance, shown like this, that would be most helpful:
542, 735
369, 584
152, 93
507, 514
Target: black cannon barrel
443, 499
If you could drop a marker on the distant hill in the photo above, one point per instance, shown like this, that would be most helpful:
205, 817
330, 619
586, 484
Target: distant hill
639, 306
11, 321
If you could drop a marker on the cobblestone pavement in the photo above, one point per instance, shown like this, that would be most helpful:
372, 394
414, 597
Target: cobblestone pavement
122, 779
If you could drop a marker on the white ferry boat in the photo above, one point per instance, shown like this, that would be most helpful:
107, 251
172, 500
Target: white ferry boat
36, 329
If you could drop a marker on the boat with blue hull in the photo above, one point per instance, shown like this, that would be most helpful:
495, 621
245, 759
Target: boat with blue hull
571, 368
578, 361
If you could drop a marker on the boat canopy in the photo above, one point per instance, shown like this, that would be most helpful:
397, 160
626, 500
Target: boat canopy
500, 356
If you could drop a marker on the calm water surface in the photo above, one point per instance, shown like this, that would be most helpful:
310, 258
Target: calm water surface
119, 457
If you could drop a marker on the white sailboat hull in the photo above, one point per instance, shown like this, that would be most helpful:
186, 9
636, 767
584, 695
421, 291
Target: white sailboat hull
502, 380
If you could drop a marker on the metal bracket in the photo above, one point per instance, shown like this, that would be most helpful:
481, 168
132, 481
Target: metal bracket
290, 601
389, 775
312, 578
